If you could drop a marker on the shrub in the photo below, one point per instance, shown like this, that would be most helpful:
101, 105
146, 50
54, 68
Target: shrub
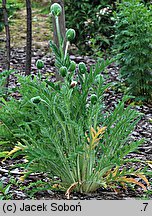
133, 43
62, 129
92, 22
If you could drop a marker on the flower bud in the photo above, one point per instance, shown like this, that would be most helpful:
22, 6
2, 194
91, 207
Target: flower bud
73, 84
93, 98
39, 64
56, 9
63, 71
70, 34
72, 66
82, 68
36, 99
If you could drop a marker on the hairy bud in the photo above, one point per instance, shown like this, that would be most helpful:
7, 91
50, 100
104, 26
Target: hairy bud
70, 34
82, 68
56, 9
39, 64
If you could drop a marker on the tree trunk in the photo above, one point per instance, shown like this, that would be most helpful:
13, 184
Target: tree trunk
29, 38
5, 13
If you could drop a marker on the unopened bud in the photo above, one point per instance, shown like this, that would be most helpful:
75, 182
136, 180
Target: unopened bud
93, 98
82, 68
63, 71
70, 34
72, 66
73, 84
36, 99
39, 64
56, 9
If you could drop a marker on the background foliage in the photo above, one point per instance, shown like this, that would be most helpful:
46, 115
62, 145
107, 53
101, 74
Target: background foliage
12, 6
92, 22
133, 43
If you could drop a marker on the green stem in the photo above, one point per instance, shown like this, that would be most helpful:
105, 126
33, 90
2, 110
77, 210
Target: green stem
39, 75
66, 49
59, 36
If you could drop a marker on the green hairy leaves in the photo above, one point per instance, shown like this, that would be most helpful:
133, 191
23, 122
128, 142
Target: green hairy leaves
62, 134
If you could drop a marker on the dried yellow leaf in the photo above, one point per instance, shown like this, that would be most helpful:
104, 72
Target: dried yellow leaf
132, 180
67, 194
15, 149
22, 178
143, 177
93, 132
